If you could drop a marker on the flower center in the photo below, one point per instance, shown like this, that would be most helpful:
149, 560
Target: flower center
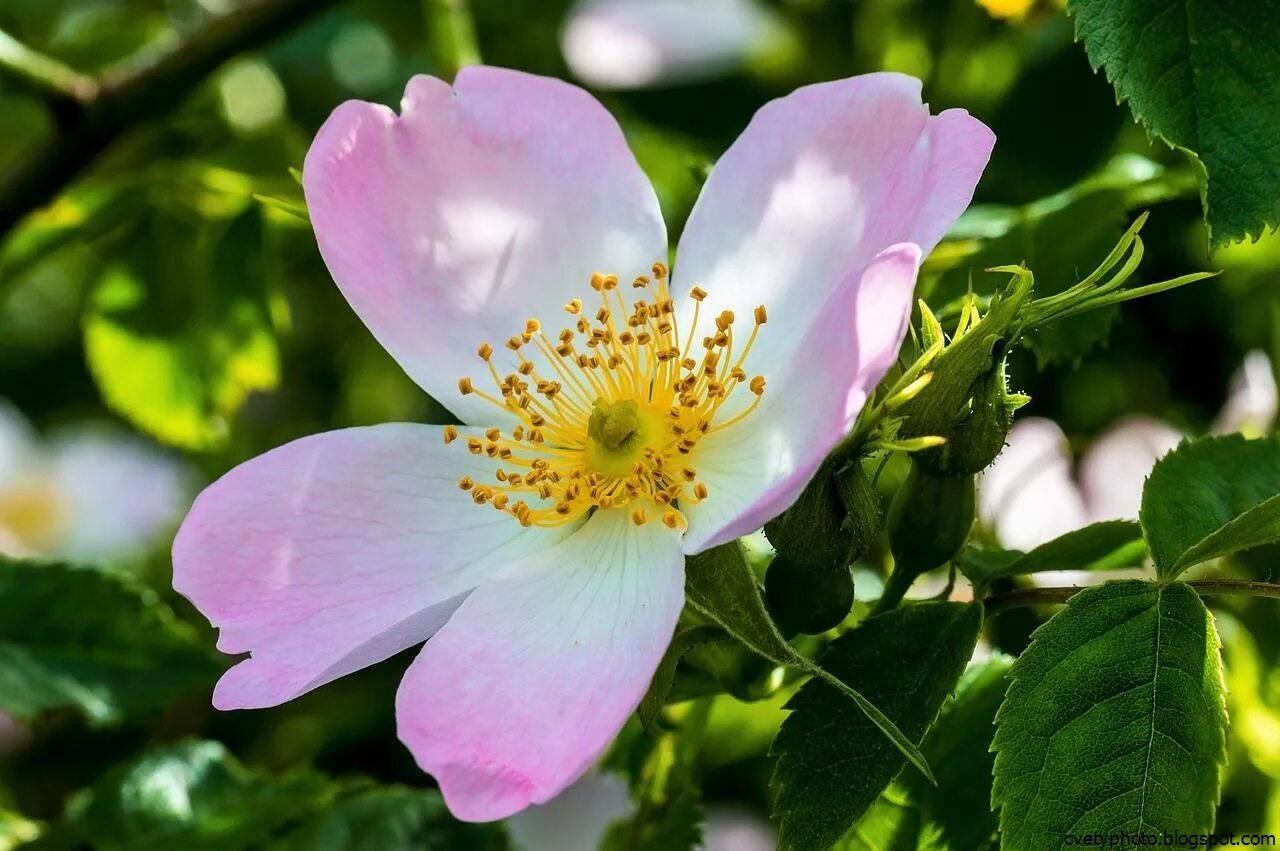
33, 512
616, 419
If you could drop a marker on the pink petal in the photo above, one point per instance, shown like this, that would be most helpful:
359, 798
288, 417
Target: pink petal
628, 44
1028, 496
819, 183
1114, 469
522, 690
336, 551
756, 468
477, 208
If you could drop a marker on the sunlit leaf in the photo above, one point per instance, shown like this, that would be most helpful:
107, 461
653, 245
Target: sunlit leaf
178, 333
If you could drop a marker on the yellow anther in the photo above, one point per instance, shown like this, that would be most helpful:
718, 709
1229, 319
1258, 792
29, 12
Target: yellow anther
614, 424
465, 483
762, 315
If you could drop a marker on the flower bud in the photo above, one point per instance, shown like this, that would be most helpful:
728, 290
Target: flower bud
811, 532
801, 599
978, 434
929, 520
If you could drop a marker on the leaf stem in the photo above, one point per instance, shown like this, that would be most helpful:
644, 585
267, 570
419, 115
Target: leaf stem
1050, 596
92, 113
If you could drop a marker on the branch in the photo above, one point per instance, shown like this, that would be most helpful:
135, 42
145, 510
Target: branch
1050, 596
91, 114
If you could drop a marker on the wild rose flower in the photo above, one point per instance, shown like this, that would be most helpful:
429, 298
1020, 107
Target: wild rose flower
630, 44
1030, 495
87, 493
541, 545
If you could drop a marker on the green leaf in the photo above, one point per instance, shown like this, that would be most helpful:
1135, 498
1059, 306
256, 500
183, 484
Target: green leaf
393, 818
1110, 545
656, 697
956, 814
1201, 75
1114, 719
93, 641
1209, 498
192, 795
178, 333
721, 585
832, 762
1061, 238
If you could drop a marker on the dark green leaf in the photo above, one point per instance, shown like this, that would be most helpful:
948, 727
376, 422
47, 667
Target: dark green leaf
1201, 74
1114, 719
1110, 545
832, 762
392, 819
193, 795
178, 333
1209, 498
1062, 238
720, 583
90, 640
956, 814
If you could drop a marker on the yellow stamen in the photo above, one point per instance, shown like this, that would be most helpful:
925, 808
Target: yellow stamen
610, 411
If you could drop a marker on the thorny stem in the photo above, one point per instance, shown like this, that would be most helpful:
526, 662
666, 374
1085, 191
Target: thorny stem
1050, 596
91, 113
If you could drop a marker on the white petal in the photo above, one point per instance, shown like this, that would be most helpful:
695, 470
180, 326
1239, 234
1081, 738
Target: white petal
1028, 496
1115, 467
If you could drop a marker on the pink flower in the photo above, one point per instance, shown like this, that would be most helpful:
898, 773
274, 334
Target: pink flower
87, 493
461, 231
629, 44
1030, 495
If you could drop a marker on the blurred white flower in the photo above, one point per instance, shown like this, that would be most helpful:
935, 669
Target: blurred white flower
88, 493
630, 44
1030, 495
578, 818
574, 820
1251, 398
733, 828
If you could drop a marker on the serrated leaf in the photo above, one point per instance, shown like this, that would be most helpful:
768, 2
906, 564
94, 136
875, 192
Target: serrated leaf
1209, 498
832, 762
178, 332
1109, 545
1114, 720
956, 814
1200, 74
392, 818
192, 795
90, 640
720, 584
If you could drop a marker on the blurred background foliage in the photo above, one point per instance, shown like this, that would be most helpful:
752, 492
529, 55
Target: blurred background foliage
171, 285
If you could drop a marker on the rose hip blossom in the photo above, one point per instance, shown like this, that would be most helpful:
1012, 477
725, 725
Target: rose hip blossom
499, 239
